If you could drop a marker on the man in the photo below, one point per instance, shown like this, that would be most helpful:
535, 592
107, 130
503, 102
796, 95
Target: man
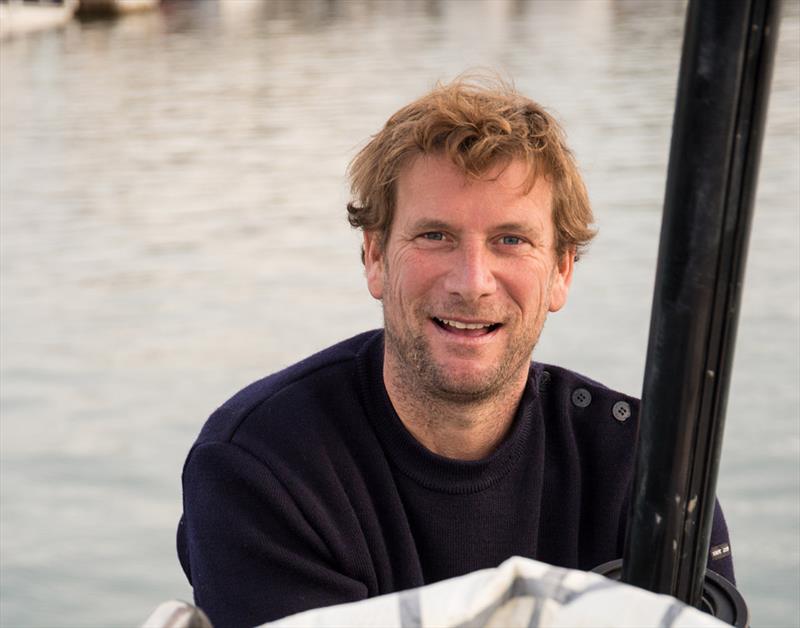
434, 447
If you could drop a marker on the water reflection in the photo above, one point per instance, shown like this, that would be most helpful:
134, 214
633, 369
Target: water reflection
172, 226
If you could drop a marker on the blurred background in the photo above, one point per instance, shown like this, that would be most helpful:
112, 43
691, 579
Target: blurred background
172, 227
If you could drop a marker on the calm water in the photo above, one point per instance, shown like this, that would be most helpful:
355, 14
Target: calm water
173, 227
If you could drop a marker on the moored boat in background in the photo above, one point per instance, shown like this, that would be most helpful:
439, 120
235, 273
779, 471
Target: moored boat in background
102, 8
19, 18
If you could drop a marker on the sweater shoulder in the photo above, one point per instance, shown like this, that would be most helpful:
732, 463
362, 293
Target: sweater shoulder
337, 361
602, 421
564, 381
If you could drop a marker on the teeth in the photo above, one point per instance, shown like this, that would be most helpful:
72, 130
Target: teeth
459, 325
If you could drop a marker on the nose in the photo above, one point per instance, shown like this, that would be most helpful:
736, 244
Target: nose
471, 275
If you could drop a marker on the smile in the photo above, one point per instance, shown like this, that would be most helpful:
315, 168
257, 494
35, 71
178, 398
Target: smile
460, 326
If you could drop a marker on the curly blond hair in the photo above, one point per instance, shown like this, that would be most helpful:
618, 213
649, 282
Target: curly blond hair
477, 124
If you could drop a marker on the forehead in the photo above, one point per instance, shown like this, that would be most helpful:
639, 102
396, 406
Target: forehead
432, 187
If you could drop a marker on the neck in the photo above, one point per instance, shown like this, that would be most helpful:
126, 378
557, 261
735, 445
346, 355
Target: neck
459, 428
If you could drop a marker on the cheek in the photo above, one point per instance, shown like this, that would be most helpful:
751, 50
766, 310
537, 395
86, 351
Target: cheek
529, 288
410, 275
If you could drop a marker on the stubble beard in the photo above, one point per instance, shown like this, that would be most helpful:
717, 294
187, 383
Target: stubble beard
421, 375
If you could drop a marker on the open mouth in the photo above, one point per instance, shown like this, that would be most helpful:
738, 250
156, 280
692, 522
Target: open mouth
466, 329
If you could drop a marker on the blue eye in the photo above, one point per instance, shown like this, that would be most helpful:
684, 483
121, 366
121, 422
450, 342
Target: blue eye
513, 240
433, 235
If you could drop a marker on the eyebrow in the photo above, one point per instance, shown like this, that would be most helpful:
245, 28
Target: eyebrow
518, 227
431, 224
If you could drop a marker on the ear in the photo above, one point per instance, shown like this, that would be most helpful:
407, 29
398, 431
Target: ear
373, 263
562, 280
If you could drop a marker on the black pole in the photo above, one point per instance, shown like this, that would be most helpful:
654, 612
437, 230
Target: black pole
723, 87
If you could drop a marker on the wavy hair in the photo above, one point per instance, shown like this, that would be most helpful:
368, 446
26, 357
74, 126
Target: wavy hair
477, 124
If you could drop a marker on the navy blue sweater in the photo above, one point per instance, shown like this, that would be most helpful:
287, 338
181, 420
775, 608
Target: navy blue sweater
305, 490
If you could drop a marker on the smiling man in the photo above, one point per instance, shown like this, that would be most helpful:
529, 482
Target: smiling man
433, 447
466, 274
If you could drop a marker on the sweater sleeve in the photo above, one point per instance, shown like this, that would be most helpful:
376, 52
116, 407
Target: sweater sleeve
720, 559
248, 548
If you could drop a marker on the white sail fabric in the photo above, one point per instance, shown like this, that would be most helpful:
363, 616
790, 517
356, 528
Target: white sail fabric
520, 592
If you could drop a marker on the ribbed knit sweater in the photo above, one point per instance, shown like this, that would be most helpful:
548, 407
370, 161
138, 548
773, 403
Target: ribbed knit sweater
306, 490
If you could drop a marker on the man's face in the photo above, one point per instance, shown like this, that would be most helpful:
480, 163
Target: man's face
466, 276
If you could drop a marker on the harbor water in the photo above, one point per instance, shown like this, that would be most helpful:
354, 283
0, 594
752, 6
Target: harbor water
173, 226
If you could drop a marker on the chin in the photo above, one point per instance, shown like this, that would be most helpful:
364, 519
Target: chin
468, 384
